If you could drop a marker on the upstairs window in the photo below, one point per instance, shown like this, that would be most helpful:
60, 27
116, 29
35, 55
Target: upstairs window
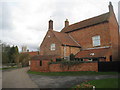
52, 47
96, 40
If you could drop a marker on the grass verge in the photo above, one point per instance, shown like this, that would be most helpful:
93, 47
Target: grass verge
102, 83
72, 73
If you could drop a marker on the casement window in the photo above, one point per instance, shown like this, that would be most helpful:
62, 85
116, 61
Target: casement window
40, 63
52, 47
96, 40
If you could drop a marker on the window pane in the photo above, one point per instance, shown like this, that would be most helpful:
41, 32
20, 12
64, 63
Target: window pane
52, 47
96, 40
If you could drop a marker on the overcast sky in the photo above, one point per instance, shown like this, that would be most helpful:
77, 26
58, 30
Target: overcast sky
25, 22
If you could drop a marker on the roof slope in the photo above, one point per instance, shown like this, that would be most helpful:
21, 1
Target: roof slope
65, 39
97, 53
87, 23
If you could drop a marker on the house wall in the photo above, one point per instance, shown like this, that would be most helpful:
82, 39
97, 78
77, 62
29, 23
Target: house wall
114, 35
84, 36
66, 50
45, 46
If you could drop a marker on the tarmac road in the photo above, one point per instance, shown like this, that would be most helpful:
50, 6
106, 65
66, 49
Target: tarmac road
17, 78
64, 81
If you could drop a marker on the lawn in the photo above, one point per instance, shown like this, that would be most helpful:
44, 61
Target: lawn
102, 83
72, 73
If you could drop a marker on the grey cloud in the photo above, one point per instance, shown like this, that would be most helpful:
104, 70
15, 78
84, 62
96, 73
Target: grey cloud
35, 28
5, 16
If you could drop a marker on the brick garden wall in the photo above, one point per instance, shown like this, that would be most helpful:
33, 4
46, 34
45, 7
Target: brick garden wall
35, 66
91, 66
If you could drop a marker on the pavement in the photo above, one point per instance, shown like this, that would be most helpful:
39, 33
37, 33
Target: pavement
64, 81
17, 78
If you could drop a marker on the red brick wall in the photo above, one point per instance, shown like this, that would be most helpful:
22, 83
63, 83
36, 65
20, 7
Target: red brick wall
84, 36
35, 65
69, 50
45, 46
92, 66
114, 33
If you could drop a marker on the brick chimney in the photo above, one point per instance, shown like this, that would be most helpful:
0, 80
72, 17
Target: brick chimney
50, 25
110, 7
66, 23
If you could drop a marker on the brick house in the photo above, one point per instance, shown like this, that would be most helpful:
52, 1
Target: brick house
98, 36
92, 39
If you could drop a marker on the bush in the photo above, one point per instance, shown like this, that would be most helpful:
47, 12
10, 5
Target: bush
58, 59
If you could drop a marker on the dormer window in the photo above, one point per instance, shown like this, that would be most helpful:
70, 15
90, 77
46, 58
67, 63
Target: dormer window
96, 40
52, 47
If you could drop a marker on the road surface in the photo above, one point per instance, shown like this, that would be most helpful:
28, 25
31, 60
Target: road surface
17, 78
64, 81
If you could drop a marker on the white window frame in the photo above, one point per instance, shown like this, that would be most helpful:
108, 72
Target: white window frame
96, 40
52, 47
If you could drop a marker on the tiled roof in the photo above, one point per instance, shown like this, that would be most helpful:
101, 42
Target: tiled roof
89, 53
32, 53
87, 23
44, 57
65, 39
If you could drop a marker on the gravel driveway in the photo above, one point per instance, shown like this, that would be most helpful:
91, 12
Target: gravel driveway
64, 81
17, 78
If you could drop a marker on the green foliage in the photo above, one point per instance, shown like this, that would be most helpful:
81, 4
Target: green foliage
5, 53
53, 63
9, 54
58, 59
24, 59
69, 63
13, 54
